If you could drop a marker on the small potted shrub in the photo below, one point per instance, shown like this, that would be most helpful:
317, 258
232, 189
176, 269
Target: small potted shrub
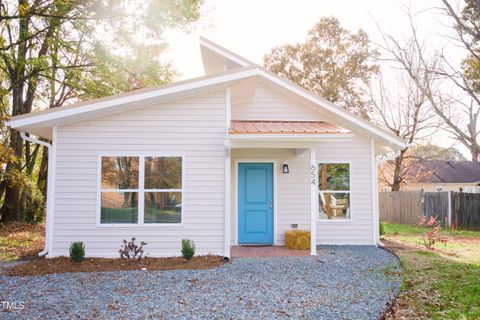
77, 251
188, 249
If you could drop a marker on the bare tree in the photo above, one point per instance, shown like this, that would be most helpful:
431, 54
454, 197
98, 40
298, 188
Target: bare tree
406, 112
434, 75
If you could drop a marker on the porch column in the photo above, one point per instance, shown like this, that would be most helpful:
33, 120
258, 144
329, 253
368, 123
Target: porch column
375, 210
227, 200
227, 175
313, 202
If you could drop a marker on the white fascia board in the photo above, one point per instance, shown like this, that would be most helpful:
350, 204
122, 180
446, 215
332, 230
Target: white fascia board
289, 137
224, 53
329, 106
241, 74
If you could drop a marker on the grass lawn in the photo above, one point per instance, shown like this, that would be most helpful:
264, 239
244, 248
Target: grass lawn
20, 240
443, 283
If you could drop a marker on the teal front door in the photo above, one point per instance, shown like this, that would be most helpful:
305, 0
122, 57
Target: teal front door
255, 203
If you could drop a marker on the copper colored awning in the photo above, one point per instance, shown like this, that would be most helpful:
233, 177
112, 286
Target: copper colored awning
283, 127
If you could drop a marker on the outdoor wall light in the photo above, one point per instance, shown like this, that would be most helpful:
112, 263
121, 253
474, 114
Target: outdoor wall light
285, 168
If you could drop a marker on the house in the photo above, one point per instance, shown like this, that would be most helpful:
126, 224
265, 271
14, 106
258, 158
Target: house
443, 176
238, 156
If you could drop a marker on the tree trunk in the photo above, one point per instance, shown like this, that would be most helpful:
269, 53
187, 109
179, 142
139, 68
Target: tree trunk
397, 172
475, 151
43, 173
10, 210
32, 159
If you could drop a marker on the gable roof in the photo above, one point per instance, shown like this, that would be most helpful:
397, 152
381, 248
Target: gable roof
445, 171
40, 122
217, 58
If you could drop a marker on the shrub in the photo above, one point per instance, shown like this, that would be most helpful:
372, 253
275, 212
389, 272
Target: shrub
432, 236
131, 250
382, 228
188, 249
297, 239
77, 251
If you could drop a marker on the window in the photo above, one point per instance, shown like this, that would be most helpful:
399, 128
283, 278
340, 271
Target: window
334, 191
141, 190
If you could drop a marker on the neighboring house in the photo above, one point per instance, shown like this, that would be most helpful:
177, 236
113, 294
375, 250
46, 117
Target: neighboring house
238, 156
443, 176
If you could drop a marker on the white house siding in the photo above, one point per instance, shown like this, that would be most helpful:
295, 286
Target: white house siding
359, 229
193, 127
269, 104
293, 189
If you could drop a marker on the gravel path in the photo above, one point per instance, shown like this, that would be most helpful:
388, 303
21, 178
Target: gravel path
342, 282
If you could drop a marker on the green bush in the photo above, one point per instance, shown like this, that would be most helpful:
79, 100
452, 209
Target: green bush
382, 228
188, 249
77, 252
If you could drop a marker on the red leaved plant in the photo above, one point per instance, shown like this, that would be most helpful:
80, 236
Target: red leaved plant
433, 235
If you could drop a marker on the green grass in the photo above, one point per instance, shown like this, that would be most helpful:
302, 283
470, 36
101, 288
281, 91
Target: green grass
403, 229
443, 283
440, 288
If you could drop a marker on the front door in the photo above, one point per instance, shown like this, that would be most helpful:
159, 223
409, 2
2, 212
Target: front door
255, 203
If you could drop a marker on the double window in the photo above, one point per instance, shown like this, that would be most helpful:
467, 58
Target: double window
141, 190
334, 191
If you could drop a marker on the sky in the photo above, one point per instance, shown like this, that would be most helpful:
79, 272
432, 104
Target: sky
251, 28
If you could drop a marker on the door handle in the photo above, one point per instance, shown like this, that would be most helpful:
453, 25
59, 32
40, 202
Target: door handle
271, 203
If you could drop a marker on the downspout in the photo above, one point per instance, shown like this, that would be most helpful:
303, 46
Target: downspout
49, 186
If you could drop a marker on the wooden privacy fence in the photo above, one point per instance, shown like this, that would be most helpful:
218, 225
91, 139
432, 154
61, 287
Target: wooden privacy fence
436, 204
466, 210
457, 209
400, 206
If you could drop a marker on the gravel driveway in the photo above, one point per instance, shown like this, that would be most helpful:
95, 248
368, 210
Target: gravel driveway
342, 282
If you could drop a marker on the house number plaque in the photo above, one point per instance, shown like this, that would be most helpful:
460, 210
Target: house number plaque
313, 174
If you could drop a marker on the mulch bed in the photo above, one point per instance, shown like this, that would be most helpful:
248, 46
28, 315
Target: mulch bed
44, 266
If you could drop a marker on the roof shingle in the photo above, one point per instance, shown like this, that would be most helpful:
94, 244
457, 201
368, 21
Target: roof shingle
445, 171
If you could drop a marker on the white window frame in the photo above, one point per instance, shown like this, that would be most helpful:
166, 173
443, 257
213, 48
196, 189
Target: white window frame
343, 220
141, 190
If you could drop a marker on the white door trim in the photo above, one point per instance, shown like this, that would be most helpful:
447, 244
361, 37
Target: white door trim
235, 196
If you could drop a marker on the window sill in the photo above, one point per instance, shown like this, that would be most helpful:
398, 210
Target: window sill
328, 221
137, 225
